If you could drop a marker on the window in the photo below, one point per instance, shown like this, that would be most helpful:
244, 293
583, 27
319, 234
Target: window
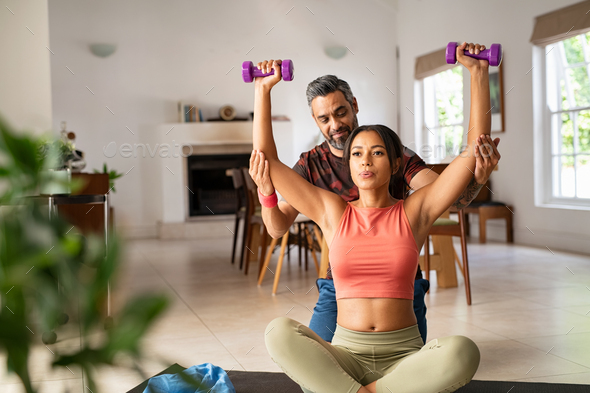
566, 125
443, 121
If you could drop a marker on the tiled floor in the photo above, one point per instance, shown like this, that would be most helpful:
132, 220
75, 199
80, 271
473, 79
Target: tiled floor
530, 313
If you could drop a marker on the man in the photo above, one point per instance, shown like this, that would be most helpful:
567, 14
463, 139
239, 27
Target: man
334, 109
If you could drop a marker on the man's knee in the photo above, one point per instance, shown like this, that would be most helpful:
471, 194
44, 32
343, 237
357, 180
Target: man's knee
420, 288
323, 320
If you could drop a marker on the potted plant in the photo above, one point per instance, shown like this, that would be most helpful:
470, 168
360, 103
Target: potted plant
56, 176
37, 252
113, 175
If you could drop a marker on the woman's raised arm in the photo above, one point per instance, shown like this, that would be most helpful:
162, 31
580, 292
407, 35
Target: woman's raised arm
438, 196
320, 205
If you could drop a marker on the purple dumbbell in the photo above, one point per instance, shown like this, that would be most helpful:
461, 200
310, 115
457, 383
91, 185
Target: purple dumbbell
249, 71
493, 55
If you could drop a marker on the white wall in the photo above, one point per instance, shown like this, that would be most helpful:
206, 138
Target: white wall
25, 80
178, 50
427, 25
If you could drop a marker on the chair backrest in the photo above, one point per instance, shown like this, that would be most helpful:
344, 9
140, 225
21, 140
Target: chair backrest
237, 177
251, 189
250, 185
459, 212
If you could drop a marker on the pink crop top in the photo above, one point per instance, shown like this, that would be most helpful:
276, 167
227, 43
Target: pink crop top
374, 254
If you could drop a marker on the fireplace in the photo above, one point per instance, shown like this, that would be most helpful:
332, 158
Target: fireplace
210, 190
208, 150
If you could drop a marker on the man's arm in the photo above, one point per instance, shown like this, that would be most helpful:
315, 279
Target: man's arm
471, 191
427, 176
279, 219
487, 157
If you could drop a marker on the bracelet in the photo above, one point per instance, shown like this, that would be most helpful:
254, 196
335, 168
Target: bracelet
268, 201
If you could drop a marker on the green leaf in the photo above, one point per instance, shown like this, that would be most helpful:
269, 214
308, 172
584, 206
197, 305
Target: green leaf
36, 253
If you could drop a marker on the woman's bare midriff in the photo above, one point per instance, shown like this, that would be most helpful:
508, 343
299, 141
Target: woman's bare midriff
375, 314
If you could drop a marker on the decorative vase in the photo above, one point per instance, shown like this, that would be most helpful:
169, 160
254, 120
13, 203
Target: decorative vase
56, 182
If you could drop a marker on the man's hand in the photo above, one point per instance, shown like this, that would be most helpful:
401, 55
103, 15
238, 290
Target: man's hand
486, 158
259, 173
268, 82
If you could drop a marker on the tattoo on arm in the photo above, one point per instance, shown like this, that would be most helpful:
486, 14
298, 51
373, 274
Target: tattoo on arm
468, 195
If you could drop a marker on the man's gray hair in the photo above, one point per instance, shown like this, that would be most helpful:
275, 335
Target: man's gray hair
325, 85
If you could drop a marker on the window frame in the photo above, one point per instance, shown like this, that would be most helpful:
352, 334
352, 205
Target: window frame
544, 180
423, 134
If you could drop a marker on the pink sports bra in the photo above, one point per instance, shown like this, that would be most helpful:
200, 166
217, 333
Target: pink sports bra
374, 254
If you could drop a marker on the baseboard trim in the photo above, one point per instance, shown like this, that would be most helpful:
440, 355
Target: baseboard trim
554, 240
132, 232
206, 229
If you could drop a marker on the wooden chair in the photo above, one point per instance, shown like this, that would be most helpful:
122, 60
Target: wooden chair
486, 208
241, 206
447, 227
489, 210
305, 242
284, 244
254, 225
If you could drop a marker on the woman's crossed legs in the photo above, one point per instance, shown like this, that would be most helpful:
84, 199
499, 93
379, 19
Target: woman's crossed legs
396, 360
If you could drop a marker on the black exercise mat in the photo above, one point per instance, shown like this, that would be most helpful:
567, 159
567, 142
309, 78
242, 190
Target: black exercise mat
263, 382
174, 369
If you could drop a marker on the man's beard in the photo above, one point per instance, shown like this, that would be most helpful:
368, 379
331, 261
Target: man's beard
339, 143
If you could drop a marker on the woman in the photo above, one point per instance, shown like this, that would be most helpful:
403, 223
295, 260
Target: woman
377, 346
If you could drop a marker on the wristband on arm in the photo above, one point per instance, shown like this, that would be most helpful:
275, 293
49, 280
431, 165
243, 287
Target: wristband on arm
268, 201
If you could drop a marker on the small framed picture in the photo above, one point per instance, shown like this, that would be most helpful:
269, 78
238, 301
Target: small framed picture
497, 98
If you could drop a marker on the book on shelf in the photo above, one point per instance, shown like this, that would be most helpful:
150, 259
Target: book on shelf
188, 113
180, 110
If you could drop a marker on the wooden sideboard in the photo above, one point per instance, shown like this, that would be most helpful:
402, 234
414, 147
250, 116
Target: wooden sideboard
88, 218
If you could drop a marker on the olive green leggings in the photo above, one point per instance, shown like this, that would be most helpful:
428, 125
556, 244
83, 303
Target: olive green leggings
397, 360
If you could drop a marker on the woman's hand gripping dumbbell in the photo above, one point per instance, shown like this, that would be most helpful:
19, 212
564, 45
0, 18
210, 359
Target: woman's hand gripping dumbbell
492, 55
262, 69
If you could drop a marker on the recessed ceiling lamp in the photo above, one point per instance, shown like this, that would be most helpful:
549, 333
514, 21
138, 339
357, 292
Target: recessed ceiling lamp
335, 52
103, 50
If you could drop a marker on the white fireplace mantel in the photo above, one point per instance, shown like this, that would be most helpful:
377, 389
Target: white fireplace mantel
164, 179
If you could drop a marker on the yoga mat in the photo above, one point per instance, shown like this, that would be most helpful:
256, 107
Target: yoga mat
263, 382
